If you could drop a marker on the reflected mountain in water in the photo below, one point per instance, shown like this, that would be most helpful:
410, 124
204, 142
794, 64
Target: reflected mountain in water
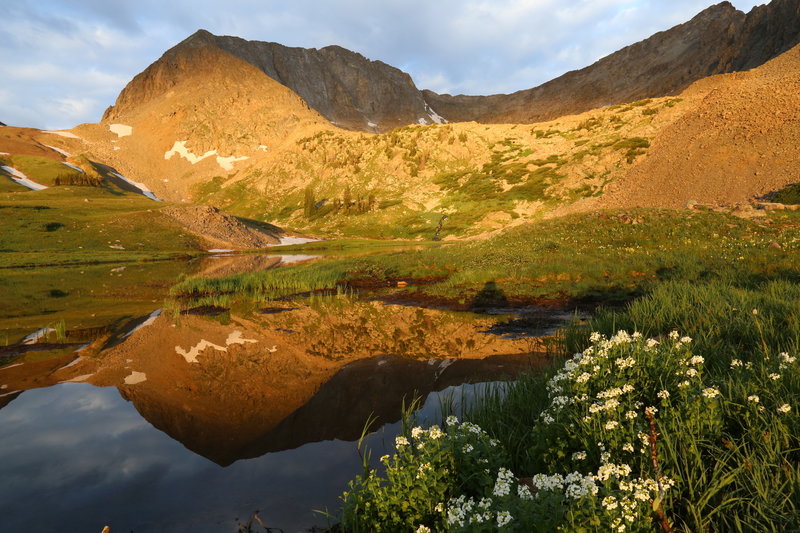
230, 387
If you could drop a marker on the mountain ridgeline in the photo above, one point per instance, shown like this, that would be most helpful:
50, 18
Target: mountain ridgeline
356, 93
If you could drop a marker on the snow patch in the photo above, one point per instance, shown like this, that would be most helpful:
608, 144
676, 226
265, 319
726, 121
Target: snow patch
262, 147
67, 134
148, 322
115, 148
135, 378
141, 186
22, 179
179, 148
59, 150
121, 130
294, 240
372, 125
422, 122
37, 335
74, 167
435, 117
227, 162
219, 250
8, 393
191, 354
11, 366
4, 153
235, 337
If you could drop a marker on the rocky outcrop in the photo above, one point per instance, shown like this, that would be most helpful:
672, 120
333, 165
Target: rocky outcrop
220, 229
720, 39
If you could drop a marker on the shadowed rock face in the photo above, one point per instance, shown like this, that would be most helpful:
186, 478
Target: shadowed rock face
355, 93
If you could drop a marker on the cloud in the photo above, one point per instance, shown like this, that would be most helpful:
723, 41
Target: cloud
64, 62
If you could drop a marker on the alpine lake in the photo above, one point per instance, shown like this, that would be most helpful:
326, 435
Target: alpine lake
124, 406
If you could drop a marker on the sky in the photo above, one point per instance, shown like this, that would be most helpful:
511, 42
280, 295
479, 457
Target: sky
62, 62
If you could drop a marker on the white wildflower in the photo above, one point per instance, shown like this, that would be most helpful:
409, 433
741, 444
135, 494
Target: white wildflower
630, 415
753, 398
612, 424
503, 518
502, 486
736, 363
785, 408
400, 441
697, 360
423, 529
664, 394
579, 456
628, 447
774, 376
417, 432
710, 392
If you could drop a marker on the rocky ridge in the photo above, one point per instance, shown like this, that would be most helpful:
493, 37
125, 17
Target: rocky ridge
720, 39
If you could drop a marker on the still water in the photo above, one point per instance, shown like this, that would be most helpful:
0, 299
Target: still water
127, 411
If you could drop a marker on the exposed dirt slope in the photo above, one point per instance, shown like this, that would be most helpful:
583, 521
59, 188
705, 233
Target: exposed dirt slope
219, 229
737, 143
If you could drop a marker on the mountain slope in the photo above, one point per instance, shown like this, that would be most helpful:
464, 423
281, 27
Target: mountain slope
195, 113
343, 86
737, 143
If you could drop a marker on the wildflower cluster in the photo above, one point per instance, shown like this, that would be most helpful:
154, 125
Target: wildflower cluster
601, 451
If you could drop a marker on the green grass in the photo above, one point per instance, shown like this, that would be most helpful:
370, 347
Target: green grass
67, 225
588, 258
84, 297
788, 195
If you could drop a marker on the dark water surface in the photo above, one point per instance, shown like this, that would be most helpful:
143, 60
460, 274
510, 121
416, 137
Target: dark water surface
78, 457
133, 412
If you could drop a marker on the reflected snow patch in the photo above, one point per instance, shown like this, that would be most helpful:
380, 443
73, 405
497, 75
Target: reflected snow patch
135, 378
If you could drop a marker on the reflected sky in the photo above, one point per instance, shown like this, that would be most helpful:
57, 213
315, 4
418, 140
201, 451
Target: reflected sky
78, 457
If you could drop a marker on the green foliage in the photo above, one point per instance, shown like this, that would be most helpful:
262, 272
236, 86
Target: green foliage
788, 195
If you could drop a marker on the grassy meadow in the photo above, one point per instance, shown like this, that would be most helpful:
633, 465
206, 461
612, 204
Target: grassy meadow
72, 225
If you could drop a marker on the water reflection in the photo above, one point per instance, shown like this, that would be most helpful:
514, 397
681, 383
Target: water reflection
134, 413
78, 457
